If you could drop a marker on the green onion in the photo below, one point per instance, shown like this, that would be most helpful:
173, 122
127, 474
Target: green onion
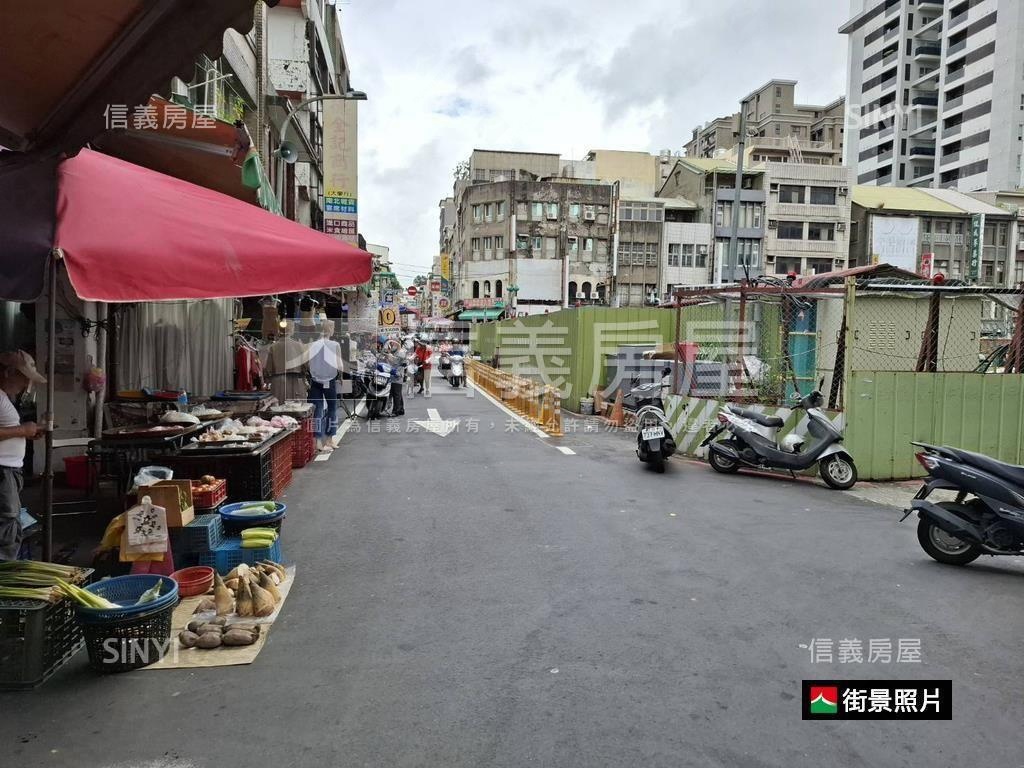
28, 593
86, 598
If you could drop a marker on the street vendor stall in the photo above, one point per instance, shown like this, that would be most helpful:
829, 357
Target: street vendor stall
127, 234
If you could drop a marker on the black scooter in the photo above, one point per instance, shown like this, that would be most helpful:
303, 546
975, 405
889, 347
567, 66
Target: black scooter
747, 444
987, 516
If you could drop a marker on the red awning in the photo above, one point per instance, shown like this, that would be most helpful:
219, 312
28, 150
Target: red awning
131, 234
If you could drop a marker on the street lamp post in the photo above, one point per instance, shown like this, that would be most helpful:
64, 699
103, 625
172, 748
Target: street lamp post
287, 151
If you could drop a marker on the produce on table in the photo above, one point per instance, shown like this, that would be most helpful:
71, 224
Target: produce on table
268, 584
244, 604
209, 640
258, 538
188, 639
238, 637
209, 636
262, 601
31, 580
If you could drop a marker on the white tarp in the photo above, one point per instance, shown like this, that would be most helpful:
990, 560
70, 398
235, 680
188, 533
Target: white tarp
894, 240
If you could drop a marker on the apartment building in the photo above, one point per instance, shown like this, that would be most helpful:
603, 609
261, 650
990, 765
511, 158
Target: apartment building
929, 231
808, 214
686, 252
779, 129
711, 185
937, 90
530, 237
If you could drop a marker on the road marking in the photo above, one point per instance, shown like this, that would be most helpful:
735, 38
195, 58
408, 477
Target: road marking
338, 434
437, 425
566, 451
529, 425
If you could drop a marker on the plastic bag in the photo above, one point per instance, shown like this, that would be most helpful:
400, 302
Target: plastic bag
151, 475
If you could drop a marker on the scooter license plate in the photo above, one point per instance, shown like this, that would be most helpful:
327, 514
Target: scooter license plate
653, 433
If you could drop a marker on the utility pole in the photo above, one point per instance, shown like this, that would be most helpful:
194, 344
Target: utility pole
733, 260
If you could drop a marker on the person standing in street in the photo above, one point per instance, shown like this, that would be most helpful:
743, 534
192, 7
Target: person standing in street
425, 358
325, 365
17, 376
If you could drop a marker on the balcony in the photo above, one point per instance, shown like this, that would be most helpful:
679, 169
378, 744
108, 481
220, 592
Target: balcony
894, 32
925, 101
955, 74
926, 77
953, 130
956, 48
931, 50
925, 128
949, 157
922, 152
930, 4
956, 21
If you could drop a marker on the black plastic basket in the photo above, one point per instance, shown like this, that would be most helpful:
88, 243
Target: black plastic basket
126, 644
36, 639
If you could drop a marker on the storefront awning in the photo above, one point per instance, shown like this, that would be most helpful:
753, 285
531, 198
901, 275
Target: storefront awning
67, 64
187, 145
481, 314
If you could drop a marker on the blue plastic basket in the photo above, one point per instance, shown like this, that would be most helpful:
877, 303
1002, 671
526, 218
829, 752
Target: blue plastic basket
203, 534
127, 590
227, 512
230, 553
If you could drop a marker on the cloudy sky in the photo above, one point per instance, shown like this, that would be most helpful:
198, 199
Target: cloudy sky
448, 76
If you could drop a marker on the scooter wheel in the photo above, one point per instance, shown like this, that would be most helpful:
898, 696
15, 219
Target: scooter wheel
722, 464
838, 472
944, 547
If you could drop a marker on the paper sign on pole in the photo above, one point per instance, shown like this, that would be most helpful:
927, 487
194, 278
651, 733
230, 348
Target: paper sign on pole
341, 161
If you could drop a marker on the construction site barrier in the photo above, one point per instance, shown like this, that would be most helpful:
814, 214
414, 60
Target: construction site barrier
540, 404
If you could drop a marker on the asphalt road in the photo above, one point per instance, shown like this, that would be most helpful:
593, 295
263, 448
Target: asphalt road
484, 599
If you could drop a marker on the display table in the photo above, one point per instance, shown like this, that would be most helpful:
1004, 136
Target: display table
258, 474
116, 457
304, 442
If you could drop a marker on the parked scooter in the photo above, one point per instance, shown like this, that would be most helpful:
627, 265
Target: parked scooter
751, 443
654, 442
377, 385
987, 516
456, 372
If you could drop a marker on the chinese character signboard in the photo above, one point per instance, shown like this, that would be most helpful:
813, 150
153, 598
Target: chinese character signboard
341, 162
974, 257
435, 286
877, 700
485, 303
446, 266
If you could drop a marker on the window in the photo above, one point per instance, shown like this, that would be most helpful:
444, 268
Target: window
790, 193
687, 256
488, 212
587, 290
574, 245
501, 210
754, 210
572, 290
720, 215
499, 242
551, 246
488, 244
651, 255
588, 244
476, 244
673, 254
537, 211
477, 217
790, 230
701, 259
497, 289
522, 242
819, 231
476, 289
823, 195
574, 210
538, 243
552, 210
487, 289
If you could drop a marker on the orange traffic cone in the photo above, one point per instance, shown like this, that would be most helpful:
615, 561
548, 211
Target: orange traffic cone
618, 415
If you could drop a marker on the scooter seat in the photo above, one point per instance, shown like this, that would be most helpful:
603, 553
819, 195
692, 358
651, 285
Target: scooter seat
1011, 472
760, 418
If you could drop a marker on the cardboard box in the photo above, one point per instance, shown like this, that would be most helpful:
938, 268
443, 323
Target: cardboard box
176, 497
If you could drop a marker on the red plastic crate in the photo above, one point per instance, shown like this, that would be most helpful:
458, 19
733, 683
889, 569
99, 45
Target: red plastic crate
209, 499
303, 449
281, 465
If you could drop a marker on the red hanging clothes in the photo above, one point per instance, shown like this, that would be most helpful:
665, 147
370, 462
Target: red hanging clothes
248, 371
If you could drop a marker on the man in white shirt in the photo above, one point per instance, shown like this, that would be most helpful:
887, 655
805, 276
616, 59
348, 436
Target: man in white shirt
17, 375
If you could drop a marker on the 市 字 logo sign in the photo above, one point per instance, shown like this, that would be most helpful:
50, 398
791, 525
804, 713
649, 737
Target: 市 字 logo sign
824, 700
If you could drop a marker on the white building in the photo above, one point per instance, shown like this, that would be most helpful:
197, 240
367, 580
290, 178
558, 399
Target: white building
935, 93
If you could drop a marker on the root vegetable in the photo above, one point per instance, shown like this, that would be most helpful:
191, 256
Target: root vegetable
231, 584
268, 584
262, 600
218, 620
253, 628
277, 567
238, 637
193, 626
188, 639
208, 627
208, 604
209, 640
221, 596
244, 604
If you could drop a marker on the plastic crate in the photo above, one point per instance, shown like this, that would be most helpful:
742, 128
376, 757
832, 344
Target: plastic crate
281, 465
209, 499
203, 534
230, 553
134, 642
303, 448
36, 639
248, 477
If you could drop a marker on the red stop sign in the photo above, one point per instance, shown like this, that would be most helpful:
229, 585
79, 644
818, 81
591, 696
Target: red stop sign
411, 290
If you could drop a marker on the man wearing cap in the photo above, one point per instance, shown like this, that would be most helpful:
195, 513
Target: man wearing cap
17, 375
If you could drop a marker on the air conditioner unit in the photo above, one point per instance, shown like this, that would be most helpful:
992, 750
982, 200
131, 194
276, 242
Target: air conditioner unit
842, 190
773, 224
769, 259
552, 217
595, 295
580, 295
589, 216
837, 262
841, 226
